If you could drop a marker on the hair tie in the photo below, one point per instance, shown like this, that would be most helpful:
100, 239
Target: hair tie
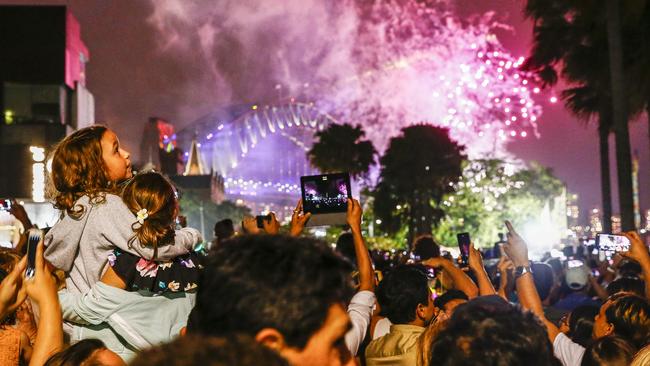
142, 215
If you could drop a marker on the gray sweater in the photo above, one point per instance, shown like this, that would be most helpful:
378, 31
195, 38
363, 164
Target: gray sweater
80, 247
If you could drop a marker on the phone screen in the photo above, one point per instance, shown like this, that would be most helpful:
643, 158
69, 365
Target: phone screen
574, 263
5, 204
463, 245
611, 243
326, 193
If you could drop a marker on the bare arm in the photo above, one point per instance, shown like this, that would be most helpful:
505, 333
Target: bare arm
461, 281
526, 291
364, 264
476, 265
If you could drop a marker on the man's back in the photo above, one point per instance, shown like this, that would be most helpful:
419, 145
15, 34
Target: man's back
398, 347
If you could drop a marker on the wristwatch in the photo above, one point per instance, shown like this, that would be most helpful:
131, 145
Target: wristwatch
522, 270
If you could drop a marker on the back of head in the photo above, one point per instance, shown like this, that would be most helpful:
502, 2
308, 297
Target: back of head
80, 353
152, 197
610, 351
626, 284
78, 168
425, 247
581, 324
254, 282
400, 293
630, 316
642, 358
345, 246
224, 229
543, 277
442, 300
492, 333
577, 278
237, 350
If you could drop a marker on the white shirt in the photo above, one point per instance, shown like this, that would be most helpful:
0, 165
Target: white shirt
569, 352
360, 311
381, 328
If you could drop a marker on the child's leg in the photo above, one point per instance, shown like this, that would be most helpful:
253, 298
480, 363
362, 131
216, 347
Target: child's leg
112, 279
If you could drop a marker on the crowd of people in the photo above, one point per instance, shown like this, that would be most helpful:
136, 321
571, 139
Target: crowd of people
117, 281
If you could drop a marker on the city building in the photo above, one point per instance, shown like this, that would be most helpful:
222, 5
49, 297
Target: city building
43, 95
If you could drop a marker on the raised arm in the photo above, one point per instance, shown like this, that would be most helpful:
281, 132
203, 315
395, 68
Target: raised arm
461, 281
517, 250
364, 263
639, 252
476, 265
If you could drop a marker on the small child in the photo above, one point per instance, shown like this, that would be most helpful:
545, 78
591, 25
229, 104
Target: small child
152, 198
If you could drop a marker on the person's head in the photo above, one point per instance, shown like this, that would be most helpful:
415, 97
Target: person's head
543, 277
152, 198
642, 358
624, 315
577, 278
405, 297
608, 351
626, 284
237, 350
287, 293
345, 246
492, 332
89, 161
629, 268
86, 352
425, 247
224, 230
448, 301
580, 324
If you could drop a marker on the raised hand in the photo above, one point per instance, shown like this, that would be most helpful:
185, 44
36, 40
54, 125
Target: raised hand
271, 226
12, 293
516, 247
638, 250
475, 259
298, 220
354, 215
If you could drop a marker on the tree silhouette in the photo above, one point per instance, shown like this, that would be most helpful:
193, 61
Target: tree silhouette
419, 167
342, 148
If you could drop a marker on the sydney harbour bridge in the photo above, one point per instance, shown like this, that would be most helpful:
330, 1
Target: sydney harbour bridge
259, 150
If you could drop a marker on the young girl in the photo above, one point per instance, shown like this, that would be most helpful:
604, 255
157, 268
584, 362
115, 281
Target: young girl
152, 198
87, 167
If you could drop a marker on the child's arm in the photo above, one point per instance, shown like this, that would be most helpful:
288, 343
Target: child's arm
112, 279
117, 228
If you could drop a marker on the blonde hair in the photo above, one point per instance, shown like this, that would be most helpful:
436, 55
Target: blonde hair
78, 169
156, 194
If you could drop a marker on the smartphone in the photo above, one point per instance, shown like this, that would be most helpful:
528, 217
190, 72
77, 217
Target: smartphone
260, 220
612, 243
463, 245
5, 204
33, 238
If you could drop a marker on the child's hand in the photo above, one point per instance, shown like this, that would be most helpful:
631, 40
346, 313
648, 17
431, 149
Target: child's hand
12, 292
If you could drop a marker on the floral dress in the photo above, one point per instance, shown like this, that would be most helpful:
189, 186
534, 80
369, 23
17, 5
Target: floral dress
178, 275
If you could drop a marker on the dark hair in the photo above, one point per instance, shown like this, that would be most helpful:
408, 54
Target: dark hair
289, 282
630, 268
492, 334
223, 230
77, 354
626, 284
543, 278
78, 169
400, 293
345, 246
425, 247
610, 351
190, 350
581, 324
630, 316
448, 296
154, 193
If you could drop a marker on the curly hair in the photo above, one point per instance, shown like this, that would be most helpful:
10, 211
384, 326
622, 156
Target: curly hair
78, 169
154, 193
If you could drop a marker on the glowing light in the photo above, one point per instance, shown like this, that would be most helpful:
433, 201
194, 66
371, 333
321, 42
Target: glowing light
553, 100
38, 173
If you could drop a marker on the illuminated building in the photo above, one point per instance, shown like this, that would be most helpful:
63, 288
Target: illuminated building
616, 224
595, 222
43, 95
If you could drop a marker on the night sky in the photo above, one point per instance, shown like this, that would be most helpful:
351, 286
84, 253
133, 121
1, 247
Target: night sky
132, 79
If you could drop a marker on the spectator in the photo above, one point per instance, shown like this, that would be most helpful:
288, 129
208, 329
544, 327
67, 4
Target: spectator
237, 350
287, 293
579, 324
424, 247
609, 351
448, 301
345, 247
544, 281
86, 352
223, 230
576, 279
642, 358
406, 300
626, 284
489, 331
